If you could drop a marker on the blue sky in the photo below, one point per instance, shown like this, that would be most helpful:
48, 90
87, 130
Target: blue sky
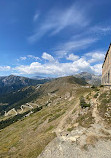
53, 38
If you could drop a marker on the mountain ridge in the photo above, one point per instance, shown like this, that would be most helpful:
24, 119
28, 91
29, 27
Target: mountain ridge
18, 98
12, 83
90, 78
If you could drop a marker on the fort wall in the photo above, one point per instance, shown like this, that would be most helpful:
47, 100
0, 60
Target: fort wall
106, 68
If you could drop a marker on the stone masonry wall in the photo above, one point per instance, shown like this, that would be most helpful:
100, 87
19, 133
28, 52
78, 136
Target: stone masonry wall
106, 69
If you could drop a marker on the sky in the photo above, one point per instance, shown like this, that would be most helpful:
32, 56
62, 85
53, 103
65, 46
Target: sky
53, 38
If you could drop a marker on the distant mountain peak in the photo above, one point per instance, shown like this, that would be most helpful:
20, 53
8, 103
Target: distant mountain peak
12, 82
90, 78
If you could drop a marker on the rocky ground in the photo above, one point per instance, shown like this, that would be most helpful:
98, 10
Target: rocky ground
69, 149
92, 141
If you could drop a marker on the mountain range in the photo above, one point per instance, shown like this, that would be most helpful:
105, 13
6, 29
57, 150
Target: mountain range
13, 83
15, 99
41, 78
90, 78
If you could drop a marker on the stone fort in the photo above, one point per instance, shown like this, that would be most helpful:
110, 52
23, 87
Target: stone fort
106, 69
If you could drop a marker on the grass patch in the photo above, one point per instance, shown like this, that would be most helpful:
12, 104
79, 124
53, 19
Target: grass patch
70, 129
41, 144
81, 91
54, 117
85, 120
103, 95
104, 107
105, 132
7, 122
91, 140
49, 128
96, 95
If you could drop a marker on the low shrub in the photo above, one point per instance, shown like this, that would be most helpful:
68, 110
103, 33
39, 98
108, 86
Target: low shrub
96, 95
93, 86
83, 104
70, 129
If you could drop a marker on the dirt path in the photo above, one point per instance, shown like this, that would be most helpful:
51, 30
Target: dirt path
59, 128
99, 124
67, 115
10, 112
95, 112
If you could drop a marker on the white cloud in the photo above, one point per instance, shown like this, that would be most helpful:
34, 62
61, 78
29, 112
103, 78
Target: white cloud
33, 57
58, 19
96, 56
57, 69
72, 57
5, 68
47, 56
28, 57
78, 44
97, 69
89, 62
23, 58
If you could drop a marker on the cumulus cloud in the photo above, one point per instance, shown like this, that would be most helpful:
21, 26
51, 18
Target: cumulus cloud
47, 56
96, 56
97, 69
89, 62
72, 57
59, 69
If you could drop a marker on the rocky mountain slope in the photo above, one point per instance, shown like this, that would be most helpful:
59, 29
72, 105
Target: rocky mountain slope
90, 78
31, 93
13, 83
62, 118
32, 124
41, 78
